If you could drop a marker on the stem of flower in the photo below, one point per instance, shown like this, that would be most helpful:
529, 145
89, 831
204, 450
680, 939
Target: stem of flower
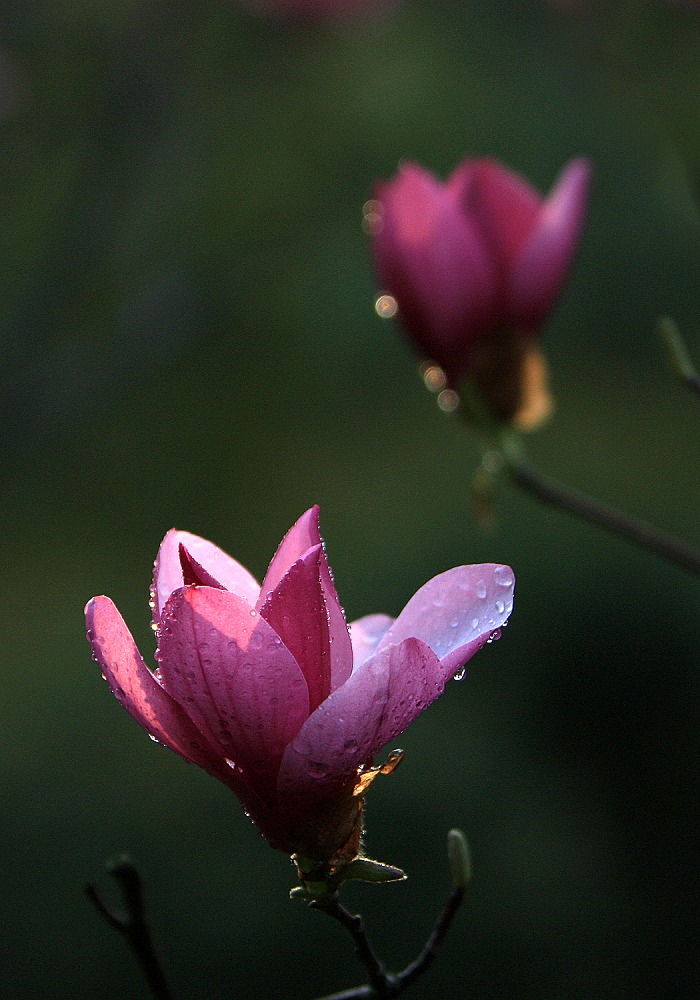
132, 924
382, 984
553, 492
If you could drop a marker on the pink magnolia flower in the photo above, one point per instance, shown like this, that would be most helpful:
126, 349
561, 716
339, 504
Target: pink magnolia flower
268, 690
475, 263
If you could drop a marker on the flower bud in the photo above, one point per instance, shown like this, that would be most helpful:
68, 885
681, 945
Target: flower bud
474, 267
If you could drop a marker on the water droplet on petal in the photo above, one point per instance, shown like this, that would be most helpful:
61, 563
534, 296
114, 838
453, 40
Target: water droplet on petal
316, 769
350, 745
504, 577
500, 607
480, 590
460, 674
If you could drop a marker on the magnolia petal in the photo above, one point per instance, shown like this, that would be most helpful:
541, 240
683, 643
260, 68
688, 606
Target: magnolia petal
366, 634
456, 612
235, 677
301, 537
296, 610
543, 262
376, 704
430, 256
502, 203
168, 577
136, 688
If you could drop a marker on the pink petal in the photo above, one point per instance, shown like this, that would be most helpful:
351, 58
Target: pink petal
432, 259
296, 610
456, 612
193, 573
544, 261
167, 573
301, 537
503, 205
366, 633
238, 682
376, 704
140, 693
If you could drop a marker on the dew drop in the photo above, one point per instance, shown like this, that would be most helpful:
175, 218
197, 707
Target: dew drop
475, 623
454, 623
349, 745
480, 590
316, 769
90, 634
500, 607
460, 674
504, 577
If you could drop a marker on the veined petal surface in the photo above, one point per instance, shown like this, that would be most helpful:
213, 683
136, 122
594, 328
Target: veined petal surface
167, 571
137, 689
376, 704
456, 612
366, 634
302, 536
235, 677
296, 610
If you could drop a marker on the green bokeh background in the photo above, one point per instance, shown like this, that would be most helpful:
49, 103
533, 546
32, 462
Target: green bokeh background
187, 338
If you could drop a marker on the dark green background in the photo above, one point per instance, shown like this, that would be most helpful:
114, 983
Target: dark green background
187, 338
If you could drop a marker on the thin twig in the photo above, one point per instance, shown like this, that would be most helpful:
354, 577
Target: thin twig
642, 533
380, 983
429, 953
383, 984
132, 924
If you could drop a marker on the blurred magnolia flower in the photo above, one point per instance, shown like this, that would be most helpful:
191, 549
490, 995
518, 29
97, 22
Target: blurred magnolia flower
475, 266
268, 690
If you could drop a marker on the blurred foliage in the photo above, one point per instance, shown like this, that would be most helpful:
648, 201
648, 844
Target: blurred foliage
188, 339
